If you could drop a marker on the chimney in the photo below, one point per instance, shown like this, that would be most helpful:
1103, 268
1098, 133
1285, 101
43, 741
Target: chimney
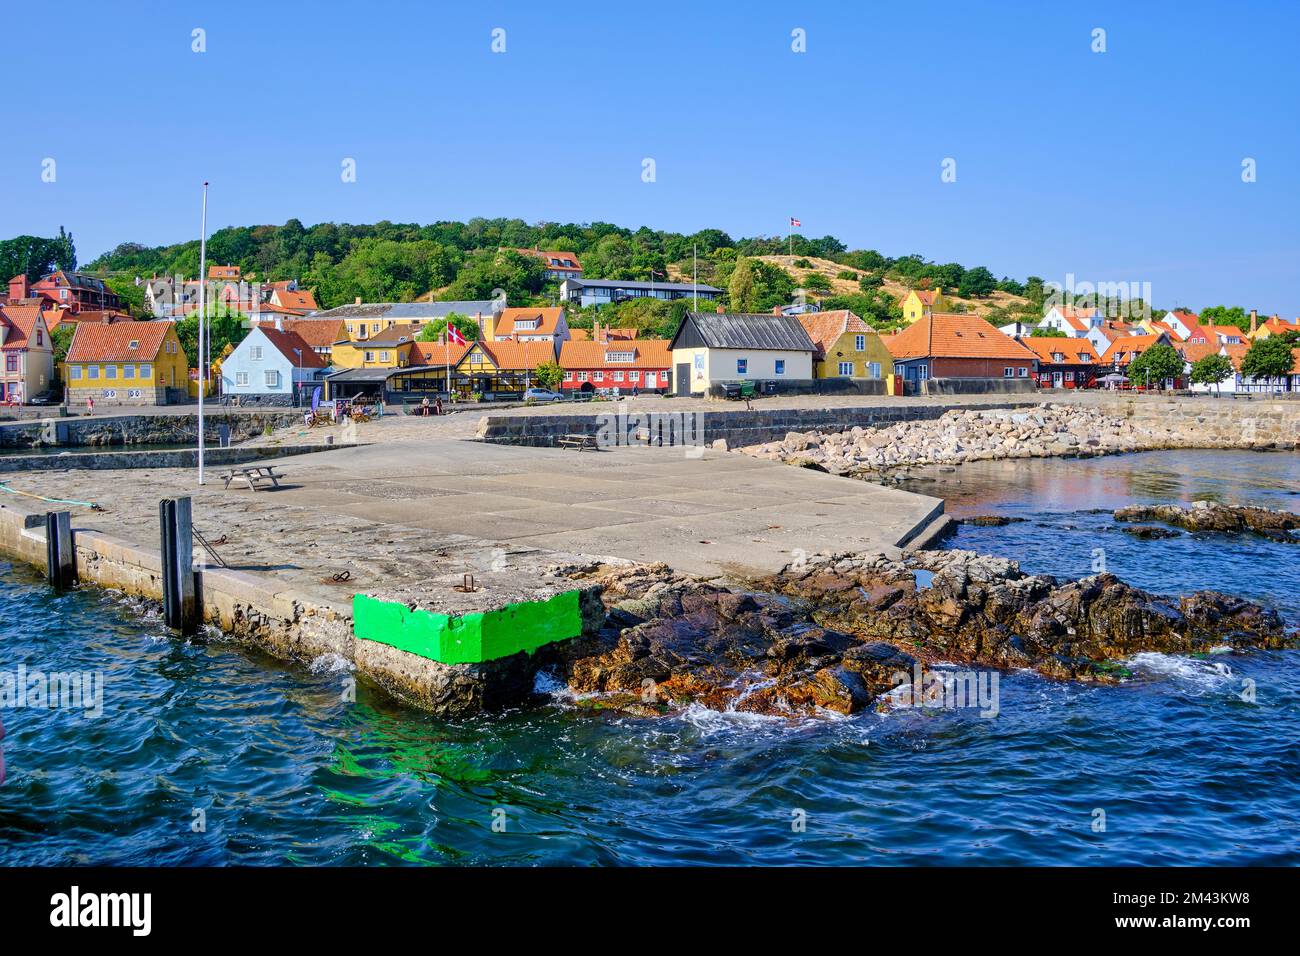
776, 310
18, 288
487, 326
721, 311
357, 300
1254, 319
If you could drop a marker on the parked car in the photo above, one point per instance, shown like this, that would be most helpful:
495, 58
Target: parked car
542, 395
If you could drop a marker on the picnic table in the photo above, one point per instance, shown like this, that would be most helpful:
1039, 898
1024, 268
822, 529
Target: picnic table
255, 475
578, 441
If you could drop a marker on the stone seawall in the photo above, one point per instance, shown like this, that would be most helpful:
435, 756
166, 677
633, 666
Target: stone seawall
1206, 422
168, 458
616, 426
161, 429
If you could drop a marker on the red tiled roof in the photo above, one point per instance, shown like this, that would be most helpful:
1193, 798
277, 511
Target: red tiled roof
300, 299
111, 342
824, 328
519, 355
546, 256
223, 272
285, 342
648, 353
318, 333
548, 318
1128, 344
1195, 351
584, 335
955, 336
440, 353
1072, 351
21, 321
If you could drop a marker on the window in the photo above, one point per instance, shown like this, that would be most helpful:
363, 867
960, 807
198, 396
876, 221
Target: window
1008, 372
780, 366
742, 366
110, 371
582, 376
873, 369
860, 343
598, 376
620, 356
634, 376
618, 376
1023, 371
40, 337
146, 371
699, 361
74, 371
92, 371
272, 378
128, 371
11, 362
370, 356
383, 356
923, 372
241, 379
568, 376
255, 353
133, 344
374, 326
1069, 376
846, 368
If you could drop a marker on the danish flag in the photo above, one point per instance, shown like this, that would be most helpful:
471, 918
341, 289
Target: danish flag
795, 223
453, 335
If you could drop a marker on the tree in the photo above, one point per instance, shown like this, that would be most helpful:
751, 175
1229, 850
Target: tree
1155, 366
1226, 315
224, 327
463, 324
35, 257
60, 341
977, 282
1046, 332
1211, 370
132, 295
741, 288
1268, 358
549, 375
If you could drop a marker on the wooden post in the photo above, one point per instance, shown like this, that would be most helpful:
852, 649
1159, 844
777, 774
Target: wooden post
60, 559
180, 599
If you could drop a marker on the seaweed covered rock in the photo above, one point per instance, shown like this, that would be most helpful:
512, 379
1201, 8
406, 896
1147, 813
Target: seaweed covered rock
1209, 516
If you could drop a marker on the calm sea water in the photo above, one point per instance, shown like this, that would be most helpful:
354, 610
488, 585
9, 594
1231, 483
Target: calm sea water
283, 771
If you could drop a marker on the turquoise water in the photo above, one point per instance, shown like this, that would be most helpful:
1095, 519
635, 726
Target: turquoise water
286, 771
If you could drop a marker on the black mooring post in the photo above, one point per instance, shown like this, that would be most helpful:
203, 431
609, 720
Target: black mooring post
60, 559
51, 550
167, 530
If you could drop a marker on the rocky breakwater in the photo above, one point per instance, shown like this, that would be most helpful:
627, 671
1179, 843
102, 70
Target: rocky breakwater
1209, 516
835, 634
1050, 430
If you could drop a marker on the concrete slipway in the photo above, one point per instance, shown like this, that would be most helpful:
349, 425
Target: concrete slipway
404, 522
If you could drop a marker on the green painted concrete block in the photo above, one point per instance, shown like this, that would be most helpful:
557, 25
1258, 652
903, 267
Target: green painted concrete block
468, 638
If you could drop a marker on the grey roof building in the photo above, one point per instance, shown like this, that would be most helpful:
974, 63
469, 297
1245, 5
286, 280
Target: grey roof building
414, 312
742, 330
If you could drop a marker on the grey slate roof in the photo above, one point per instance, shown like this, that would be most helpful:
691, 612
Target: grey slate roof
406, 311
630, 284
751, 330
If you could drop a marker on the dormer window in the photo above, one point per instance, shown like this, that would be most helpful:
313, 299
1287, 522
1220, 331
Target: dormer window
620, 356
133, 344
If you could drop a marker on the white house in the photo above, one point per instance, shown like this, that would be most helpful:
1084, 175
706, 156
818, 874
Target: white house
603, 291
271, 367
711, 348
1074, 322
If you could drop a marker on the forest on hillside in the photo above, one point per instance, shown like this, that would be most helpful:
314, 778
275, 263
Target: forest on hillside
396, 262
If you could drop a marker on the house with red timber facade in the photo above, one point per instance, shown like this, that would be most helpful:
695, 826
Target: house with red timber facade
957, 345
607, 363
66, 290
1064, 362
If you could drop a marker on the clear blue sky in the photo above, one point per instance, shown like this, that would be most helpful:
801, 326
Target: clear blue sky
1120, 166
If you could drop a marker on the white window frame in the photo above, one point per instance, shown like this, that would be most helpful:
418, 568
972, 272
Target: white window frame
846, 368
860, 343
271, 377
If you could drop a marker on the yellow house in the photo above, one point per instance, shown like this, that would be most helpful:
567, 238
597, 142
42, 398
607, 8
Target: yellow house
846, 347
126, 363
390, 348
1274, 325
919, 302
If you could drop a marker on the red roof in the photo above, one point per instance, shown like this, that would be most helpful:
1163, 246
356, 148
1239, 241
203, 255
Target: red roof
519, 355
1123, 348
954, 335
646, 353
20, 321
547, 321
318, 333
439, 353
299, 299
112, 342
285, 342
824, 328
1072, 351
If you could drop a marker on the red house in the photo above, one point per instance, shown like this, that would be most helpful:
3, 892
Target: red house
1064, 362
607, 362
73, 291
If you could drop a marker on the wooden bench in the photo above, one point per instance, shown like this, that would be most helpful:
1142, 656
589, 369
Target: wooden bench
577, 441
255, 475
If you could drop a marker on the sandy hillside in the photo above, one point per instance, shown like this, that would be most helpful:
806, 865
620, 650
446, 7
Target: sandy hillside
848, 286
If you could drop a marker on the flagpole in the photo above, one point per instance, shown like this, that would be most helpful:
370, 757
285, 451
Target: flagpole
695, 277
203, 258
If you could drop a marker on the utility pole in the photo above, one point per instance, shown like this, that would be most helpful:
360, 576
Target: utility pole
203, 260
